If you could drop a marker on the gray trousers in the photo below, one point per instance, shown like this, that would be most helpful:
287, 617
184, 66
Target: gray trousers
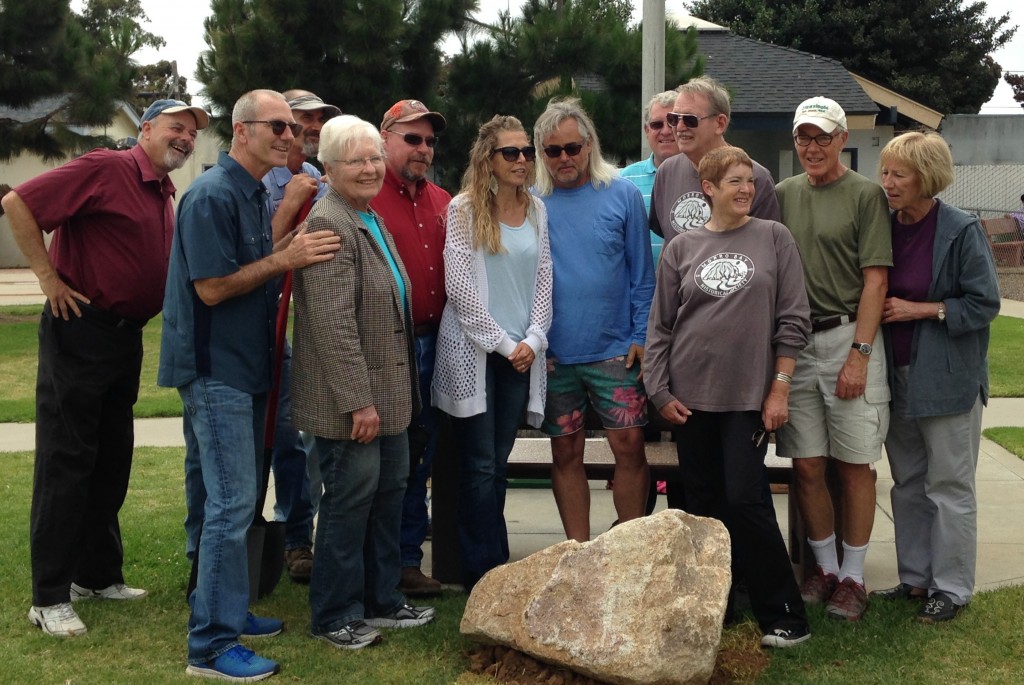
934, 503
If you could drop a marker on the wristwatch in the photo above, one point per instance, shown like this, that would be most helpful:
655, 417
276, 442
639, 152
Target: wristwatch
942, 311
863, 348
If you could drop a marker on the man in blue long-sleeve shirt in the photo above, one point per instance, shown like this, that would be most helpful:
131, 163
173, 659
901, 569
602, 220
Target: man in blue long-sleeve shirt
603, 285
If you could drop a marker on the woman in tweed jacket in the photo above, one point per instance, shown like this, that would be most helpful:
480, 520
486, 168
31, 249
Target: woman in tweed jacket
354, 387
490, 348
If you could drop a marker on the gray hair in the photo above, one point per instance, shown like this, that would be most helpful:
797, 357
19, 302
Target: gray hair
558, 110
665, 99
340, 134
247, 107
715, 93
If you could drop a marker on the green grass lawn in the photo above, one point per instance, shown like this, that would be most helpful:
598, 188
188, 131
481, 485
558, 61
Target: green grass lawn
18, 352
1006, 359
1011, 439
144, 641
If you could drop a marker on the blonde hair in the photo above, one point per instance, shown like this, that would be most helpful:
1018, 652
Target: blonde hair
927, 154
476, 184
558, 110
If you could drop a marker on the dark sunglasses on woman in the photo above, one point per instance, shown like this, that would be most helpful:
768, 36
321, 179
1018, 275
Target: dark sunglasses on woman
511, 154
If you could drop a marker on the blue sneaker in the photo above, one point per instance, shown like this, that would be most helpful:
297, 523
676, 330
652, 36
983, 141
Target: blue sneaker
261, 626
238, 664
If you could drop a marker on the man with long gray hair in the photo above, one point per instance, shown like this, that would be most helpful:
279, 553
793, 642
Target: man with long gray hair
603, 285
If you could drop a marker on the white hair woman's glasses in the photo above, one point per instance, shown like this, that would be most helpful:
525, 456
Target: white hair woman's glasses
360, 162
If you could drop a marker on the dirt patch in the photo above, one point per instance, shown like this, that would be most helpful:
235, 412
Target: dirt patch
740, 661
1011, 284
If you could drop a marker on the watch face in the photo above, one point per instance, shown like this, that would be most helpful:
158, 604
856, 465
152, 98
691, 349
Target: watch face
863, 348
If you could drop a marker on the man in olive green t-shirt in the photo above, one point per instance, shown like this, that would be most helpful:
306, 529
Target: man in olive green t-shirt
838, 406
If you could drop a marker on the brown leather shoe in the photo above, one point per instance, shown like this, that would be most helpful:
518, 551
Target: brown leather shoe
415, 584
300, 563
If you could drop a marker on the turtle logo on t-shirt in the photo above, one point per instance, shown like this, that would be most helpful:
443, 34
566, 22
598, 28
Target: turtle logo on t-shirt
690, 211
724, 273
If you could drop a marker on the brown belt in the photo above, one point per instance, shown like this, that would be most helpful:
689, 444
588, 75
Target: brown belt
830, 322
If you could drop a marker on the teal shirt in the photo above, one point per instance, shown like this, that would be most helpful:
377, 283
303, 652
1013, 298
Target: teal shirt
641, 174
374, 228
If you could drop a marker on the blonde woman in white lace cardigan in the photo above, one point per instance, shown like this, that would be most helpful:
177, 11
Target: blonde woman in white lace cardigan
490, 365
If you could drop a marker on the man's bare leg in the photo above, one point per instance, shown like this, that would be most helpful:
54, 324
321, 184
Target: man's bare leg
813, 498
858, 502
569, 484
632, 475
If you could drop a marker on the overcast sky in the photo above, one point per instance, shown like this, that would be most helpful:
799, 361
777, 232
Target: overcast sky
181, 25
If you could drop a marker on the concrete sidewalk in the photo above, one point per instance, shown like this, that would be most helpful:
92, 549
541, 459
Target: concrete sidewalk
533, 522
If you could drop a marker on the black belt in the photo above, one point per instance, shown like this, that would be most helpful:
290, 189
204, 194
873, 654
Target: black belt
424, 329
108, 318
830, 322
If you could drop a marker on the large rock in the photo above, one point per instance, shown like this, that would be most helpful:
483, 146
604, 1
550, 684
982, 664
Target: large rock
641, 604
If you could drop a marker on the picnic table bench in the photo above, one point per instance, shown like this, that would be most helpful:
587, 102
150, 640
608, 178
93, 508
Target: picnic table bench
1006, 240
531, 459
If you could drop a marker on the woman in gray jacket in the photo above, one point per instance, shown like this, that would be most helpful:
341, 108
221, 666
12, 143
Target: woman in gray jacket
943, 294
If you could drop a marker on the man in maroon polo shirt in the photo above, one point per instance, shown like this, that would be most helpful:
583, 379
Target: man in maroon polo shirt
111, 217
414, 211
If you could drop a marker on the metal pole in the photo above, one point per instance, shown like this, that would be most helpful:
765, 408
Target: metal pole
653, 64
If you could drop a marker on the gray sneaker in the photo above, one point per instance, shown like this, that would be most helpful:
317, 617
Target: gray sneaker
354, 635
404, 616
115, 591
59, 620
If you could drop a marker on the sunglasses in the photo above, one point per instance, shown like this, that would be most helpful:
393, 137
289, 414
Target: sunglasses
555, 151
511, 154
656, 125
689, 120
415, 140
277, 126
759, 436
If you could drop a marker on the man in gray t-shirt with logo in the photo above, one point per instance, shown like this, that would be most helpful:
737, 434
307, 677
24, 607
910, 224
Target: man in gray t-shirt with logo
700, 119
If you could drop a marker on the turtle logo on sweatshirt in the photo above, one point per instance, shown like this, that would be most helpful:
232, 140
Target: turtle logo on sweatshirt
724, 273
690, 211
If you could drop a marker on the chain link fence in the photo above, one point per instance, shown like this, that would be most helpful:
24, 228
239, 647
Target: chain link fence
986, 190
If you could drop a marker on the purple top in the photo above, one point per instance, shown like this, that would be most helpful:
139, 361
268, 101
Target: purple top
910, 276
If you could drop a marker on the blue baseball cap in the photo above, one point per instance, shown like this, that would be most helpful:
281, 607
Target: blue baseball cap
173, 107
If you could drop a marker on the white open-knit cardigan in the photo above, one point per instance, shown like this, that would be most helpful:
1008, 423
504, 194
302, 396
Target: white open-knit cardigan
468, 332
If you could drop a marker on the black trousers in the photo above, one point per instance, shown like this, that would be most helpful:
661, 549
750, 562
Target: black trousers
723, 476
87, 385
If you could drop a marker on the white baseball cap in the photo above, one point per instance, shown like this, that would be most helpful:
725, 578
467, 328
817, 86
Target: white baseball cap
821, 112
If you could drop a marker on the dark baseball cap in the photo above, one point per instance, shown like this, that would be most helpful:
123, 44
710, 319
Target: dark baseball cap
173, 107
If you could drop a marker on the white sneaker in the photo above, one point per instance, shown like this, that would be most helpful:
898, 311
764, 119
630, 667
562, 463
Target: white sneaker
60, 620
115, 591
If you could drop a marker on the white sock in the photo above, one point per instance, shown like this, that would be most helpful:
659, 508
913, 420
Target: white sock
825, 554
853, 563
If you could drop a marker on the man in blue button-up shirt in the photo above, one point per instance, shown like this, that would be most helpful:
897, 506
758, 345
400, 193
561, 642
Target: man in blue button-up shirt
216, 349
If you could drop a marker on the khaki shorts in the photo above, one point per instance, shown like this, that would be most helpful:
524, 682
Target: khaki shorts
820, 424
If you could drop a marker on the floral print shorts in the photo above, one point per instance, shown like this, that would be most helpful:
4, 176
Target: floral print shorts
612, 390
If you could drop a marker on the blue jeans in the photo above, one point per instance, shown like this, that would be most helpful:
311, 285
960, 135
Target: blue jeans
291, 482
484, 442
356, 567
224, 447
422, 445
